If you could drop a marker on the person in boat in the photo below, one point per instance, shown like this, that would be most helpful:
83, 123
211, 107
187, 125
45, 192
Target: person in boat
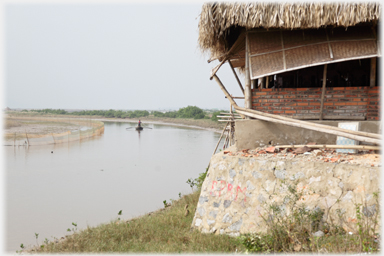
139, 123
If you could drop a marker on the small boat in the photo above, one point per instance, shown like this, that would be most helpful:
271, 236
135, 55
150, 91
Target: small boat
139, 128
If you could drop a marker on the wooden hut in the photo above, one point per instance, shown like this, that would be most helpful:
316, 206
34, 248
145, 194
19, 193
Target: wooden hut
301, 62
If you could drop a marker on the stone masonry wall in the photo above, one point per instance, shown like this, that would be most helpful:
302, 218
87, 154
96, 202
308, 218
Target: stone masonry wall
237, 189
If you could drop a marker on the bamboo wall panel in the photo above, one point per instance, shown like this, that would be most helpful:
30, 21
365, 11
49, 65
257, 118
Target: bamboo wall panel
278, 51
307, 55
264, 42
266, 63
294, 38
350, 49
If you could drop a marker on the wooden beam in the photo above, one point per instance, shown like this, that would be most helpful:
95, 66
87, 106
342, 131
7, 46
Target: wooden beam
366, 134
372, 81
355, 135
328, 117
247, 84
220, 138
228, 96
359, 147
235, 97
323, 91
237, 78
214, 70
309, 127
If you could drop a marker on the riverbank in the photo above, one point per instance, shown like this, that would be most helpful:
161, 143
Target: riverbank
204, 124
166, 230
62, 122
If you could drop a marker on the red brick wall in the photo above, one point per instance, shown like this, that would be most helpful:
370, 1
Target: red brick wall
342, 101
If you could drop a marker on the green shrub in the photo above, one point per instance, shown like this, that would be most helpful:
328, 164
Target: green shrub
214, 116
191, 112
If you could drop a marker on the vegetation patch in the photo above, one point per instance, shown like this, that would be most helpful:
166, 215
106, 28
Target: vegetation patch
297, 228
167, 231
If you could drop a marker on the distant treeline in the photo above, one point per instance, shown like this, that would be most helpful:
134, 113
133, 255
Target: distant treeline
187, 112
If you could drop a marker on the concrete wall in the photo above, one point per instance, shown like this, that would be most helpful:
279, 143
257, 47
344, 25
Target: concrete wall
250, 134
237, 190
338, 101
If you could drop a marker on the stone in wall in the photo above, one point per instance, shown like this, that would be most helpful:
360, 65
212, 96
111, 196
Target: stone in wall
237, 190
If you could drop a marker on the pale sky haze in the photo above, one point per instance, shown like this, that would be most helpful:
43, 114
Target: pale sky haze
108, 56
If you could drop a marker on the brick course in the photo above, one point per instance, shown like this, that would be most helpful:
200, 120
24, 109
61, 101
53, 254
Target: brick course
343, 101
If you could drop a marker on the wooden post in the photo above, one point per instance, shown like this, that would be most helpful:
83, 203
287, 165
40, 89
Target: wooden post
220, 138
372, 81
266, 81
262, 82
247, 91
26, 135
237, 78
323, 91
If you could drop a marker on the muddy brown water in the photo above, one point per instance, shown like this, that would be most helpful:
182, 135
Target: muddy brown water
88, 182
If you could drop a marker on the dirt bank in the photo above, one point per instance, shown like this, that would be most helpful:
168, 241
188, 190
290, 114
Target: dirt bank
191, 123
38, 126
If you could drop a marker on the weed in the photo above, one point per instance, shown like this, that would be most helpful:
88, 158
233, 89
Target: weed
191, 182
167, 231
292, 226
119, 213
74, 228
37, 236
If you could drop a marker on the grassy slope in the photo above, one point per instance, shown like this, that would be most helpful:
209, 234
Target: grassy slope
165, 231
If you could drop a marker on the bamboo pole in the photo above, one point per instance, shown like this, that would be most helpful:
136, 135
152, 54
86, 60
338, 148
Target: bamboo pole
229, 97
372, 81
220, 138
214, 70
26, 135
225, 141
366, 134
230, 124
307, 125
323, 91
247, 91
261, 82
237, 78
361, 147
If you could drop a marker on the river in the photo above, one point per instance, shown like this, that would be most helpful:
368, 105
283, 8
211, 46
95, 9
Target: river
89, 181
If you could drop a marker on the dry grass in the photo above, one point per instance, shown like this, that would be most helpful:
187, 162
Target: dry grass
164, 231
298, 228
203, 123
217, 19
11, 123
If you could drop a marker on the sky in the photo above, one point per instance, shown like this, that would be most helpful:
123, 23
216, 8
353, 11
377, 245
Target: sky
108, 56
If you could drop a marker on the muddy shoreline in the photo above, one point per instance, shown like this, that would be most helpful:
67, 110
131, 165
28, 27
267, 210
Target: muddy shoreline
62, 124
159, 122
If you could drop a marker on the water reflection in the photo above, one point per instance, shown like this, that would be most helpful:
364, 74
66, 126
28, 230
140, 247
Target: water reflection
139, 172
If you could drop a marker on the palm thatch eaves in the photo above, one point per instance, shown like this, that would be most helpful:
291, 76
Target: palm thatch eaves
219, 20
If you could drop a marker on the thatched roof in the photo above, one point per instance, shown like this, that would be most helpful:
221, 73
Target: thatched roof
221, 22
